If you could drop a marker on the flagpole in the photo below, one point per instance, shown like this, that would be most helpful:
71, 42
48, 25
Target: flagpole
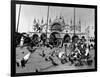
47, 20
18, 17
74, 21
80, 25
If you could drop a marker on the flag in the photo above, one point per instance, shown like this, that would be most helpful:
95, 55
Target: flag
42, 21
87, 29
79, 22
34, 21
49, 20
71, 22
38, 21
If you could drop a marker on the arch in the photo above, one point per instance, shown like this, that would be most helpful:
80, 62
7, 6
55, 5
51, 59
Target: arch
43, 36
35, 40
75, 38
66, 38
56, 27
55, 39
35, 36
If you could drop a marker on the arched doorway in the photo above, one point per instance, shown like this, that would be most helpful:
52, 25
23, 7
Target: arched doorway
66, 38
75, 38
35, 40
43, 38
55, 39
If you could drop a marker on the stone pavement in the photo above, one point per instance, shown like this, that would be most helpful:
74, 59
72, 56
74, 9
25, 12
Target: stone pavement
38, 63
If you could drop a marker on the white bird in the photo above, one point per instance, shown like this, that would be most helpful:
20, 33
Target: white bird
87, 51
26, 57
60, 54
18, 61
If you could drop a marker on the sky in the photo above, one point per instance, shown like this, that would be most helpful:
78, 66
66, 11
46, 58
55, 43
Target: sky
30, 12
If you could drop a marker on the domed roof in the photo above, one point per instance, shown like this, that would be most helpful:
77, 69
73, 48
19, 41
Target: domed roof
57, 24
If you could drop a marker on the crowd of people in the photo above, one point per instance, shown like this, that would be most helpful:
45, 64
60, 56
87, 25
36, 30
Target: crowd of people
79, 53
